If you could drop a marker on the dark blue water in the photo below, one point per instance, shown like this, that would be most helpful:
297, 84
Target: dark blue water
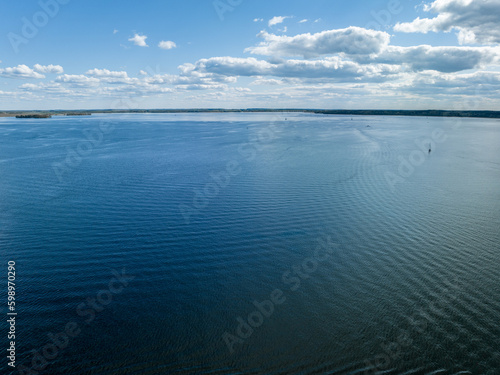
252, 243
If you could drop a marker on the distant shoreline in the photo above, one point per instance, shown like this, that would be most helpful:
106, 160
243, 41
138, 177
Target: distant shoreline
354, 112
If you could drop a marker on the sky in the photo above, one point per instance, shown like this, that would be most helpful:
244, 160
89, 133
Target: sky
328, 54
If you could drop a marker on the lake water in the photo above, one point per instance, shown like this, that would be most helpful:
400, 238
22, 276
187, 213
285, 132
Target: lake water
226, 243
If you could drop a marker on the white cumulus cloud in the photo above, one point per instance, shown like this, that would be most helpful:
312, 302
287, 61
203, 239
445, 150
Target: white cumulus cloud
20, 71
477, 21
352, 40
330, 67
277, 20
53, 69
444, 59
105, 73
78, 80
167, 44
139, 40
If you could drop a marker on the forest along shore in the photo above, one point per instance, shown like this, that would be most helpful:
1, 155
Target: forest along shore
355, 112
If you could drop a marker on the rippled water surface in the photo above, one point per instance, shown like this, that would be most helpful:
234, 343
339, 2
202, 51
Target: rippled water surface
366, 253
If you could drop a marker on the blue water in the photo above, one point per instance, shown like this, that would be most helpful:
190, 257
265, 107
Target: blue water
364, 262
